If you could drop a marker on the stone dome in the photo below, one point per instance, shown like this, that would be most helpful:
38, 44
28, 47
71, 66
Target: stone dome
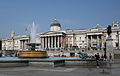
55, 23
55, 26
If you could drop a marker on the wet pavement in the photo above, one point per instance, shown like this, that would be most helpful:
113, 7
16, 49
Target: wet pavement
109, 70
114, 70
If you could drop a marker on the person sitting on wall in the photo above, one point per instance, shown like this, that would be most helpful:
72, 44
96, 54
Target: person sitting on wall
93, 56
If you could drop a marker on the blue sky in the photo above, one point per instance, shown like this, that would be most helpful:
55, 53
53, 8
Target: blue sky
16, 15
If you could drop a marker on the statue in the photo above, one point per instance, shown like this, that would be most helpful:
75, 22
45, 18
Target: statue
83, 55
109, 30
109, 43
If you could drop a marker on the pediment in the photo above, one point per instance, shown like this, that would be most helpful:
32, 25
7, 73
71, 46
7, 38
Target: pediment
96, 28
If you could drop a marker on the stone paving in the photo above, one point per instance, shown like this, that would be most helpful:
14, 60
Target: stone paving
114, 70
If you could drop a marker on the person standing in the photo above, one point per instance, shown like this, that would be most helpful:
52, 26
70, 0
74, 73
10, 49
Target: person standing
110, 58
97, 59
102, 56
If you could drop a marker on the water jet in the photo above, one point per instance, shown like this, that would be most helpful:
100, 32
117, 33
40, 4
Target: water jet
31, 52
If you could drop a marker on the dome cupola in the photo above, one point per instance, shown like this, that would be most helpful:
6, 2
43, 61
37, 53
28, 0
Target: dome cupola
55, 26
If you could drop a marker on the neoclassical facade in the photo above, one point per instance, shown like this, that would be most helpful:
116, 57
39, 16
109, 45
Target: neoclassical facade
15, 42
56, 39
88, 39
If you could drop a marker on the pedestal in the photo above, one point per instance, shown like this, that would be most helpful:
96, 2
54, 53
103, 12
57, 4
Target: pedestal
109, 47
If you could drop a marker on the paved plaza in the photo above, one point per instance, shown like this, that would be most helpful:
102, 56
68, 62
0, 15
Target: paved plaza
114, 70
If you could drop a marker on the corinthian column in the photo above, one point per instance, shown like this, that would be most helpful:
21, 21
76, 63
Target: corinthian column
55, 42
51, 41
48, 42
45, 42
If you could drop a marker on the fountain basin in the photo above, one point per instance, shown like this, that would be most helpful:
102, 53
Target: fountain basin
47, 62
33, 54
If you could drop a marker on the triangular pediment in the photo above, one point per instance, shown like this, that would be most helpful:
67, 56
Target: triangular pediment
96, 28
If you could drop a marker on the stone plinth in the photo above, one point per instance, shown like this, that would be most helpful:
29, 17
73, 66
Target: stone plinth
109, 47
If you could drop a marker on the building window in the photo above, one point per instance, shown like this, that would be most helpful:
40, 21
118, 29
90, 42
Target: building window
94, 36
116, 44
115, 25
16, 42
75, 38
116, 36
85, 44
80, 46
80, 38
70, 45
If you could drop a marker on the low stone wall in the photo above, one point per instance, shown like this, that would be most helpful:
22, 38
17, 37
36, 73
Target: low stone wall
41, 64
56, 63
59, 63
13, 64
80, 63
50, 62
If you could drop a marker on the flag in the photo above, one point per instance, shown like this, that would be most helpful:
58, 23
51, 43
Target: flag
28, 26
26, 29
41, 40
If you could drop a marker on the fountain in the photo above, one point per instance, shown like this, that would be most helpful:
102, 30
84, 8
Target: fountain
31, 52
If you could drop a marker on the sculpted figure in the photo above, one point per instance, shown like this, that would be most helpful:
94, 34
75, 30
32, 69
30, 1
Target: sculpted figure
109, 30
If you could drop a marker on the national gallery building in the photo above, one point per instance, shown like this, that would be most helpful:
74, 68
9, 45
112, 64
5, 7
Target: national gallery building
57, 39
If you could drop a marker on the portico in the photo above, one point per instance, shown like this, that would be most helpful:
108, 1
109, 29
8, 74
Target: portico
52, 40
95, 41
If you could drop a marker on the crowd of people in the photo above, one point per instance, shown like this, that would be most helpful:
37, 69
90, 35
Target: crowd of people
100, 56
104, 57
96, 55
